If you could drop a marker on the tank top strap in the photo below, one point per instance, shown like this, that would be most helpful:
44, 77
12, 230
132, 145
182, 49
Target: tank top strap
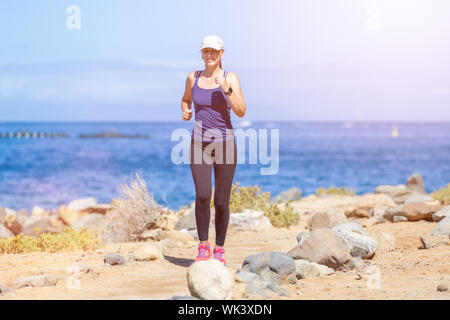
224, 74
197, 74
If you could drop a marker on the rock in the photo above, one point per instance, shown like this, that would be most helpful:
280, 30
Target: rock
391, 191
306, 269
93, 221
415, 183
249, 220
280, 263
442, 288
98, 209
40, 212
429, 241
324, 270
414, 211
5, 232
22, 216
148, 252
35, 281
36, 222
11, 222
292, 194
377, 211
81, 204
324, 246
399, 219
386, 242
442, 227
302, 236
418, 197
70, 216
210, 280
113, 259
358, 240
359, 212
152, 234
326, 220
2, 214
78, 268
187, 220
441, 214
259, 284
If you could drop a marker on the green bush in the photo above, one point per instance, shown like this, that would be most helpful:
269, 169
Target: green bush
335, 190
443, 195
252, 197
68, 240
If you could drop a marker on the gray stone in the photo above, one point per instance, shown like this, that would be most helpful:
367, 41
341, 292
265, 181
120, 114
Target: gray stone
187, 220
210, 280
114, 259
324, 246
279, 262
358, 240
292, 194
302, 236
441, 214
152, 234
442, 288
442, 227
391, 191
418, 197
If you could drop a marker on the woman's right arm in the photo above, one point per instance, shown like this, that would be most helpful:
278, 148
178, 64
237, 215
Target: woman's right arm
186, 101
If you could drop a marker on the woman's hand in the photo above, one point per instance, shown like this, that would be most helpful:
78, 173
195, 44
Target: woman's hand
223, 82
187, 115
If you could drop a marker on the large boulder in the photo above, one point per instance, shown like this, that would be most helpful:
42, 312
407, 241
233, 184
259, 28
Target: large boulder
414, 211
249, 220
358, 240
210, 280
442, 228
324, 246
326, 220
292, 194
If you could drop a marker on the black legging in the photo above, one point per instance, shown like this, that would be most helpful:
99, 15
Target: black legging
206, 155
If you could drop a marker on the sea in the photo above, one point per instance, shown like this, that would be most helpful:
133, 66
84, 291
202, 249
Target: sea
49, 172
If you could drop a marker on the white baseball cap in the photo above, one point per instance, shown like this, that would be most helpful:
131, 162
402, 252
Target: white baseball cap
214, 42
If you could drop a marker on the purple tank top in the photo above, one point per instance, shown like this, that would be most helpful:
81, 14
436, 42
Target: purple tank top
212, 114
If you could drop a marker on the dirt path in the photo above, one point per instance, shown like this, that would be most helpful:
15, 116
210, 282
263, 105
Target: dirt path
407, 273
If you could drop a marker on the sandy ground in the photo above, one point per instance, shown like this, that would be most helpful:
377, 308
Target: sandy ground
406, 273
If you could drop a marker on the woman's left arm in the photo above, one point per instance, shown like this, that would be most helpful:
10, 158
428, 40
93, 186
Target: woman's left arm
236, 98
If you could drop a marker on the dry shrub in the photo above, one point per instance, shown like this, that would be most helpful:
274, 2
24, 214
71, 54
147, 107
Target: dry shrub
134, 213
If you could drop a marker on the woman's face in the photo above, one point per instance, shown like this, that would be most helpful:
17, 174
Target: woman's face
211, 56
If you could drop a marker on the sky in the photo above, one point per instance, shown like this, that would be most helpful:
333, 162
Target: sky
297, 60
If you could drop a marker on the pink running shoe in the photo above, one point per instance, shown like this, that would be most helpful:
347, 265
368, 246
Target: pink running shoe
219, 254
204, 252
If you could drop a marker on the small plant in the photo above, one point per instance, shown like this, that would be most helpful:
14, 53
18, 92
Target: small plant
443, 195
335, 190
68, 240
252, 197
136, 212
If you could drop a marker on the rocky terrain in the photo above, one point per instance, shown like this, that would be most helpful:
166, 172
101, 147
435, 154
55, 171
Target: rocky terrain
390, 244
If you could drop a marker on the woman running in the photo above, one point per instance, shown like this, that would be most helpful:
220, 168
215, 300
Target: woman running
214, 93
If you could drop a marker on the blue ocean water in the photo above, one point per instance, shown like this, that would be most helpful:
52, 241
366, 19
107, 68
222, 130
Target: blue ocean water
53, 171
